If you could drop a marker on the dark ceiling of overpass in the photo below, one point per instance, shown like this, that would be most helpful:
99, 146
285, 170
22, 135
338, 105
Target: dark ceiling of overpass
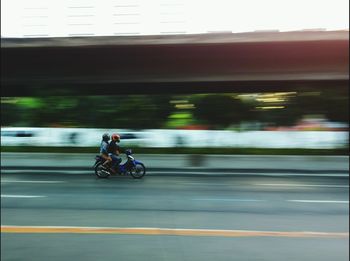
247, 62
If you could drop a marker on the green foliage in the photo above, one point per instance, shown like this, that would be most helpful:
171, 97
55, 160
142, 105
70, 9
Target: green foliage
135, 112
10, 114
332, 104
280, 117
221, 111
337, 106
179, 119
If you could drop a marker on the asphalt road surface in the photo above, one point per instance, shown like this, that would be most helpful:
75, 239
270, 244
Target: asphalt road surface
78, 217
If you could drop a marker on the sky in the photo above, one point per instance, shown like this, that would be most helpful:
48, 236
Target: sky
62, 18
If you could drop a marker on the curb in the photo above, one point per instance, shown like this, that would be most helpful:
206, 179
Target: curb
183, 171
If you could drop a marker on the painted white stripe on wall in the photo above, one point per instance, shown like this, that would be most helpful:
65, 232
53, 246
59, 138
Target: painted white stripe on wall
22, 196
32, 181
169, 138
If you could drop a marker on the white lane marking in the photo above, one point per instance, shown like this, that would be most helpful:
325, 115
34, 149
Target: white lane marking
31, 181
22, 196
229, 199
319, 201
70, 172
207, 184
251, 174
303, 185
261, 200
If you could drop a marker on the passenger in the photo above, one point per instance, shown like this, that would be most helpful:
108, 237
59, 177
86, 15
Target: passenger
104, 149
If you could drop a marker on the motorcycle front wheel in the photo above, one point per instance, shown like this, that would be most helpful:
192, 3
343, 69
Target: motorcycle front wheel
138, 171
101, 172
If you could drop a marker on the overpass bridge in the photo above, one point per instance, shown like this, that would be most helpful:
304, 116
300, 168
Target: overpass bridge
240, 62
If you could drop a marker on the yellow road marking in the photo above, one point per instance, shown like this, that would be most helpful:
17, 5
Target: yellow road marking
167, 231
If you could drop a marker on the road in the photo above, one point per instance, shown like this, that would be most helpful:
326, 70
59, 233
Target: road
78, 217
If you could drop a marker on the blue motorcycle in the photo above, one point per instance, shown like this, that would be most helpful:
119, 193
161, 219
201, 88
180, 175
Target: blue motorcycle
133, 167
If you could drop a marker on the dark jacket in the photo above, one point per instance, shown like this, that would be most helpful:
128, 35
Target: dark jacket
113, 147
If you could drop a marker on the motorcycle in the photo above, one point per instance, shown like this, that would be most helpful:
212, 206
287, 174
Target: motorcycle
132, 166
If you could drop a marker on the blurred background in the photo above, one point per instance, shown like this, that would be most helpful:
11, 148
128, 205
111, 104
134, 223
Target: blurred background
75, 69
303, 119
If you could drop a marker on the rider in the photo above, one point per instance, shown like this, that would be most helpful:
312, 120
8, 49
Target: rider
114, 151
104, 148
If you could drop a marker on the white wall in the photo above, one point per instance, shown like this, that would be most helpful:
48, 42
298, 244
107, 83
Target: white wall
175, 138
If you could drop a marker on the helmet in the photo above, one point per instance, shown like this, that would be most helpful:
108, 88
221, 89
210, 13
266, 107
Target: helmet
106, 137
115, 137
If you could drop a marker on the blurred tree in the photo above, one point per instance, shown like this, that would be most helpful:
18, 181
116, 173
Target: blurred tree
333, 104
135, 111
152, 111
295, 108
279, 117
308, 103
164, 108
54, 111
220, 110
139, 112
89, 111
337, 105
10, 114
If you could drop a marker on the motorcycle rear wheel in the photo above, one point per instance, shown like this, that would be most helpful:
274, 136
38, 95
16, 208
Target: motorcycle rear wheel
101, 172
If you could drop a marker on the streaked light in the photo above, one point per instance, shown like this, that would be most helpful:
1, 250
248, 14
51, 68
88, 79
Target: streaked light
270, 107
178, 101
270, 99
184, 106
